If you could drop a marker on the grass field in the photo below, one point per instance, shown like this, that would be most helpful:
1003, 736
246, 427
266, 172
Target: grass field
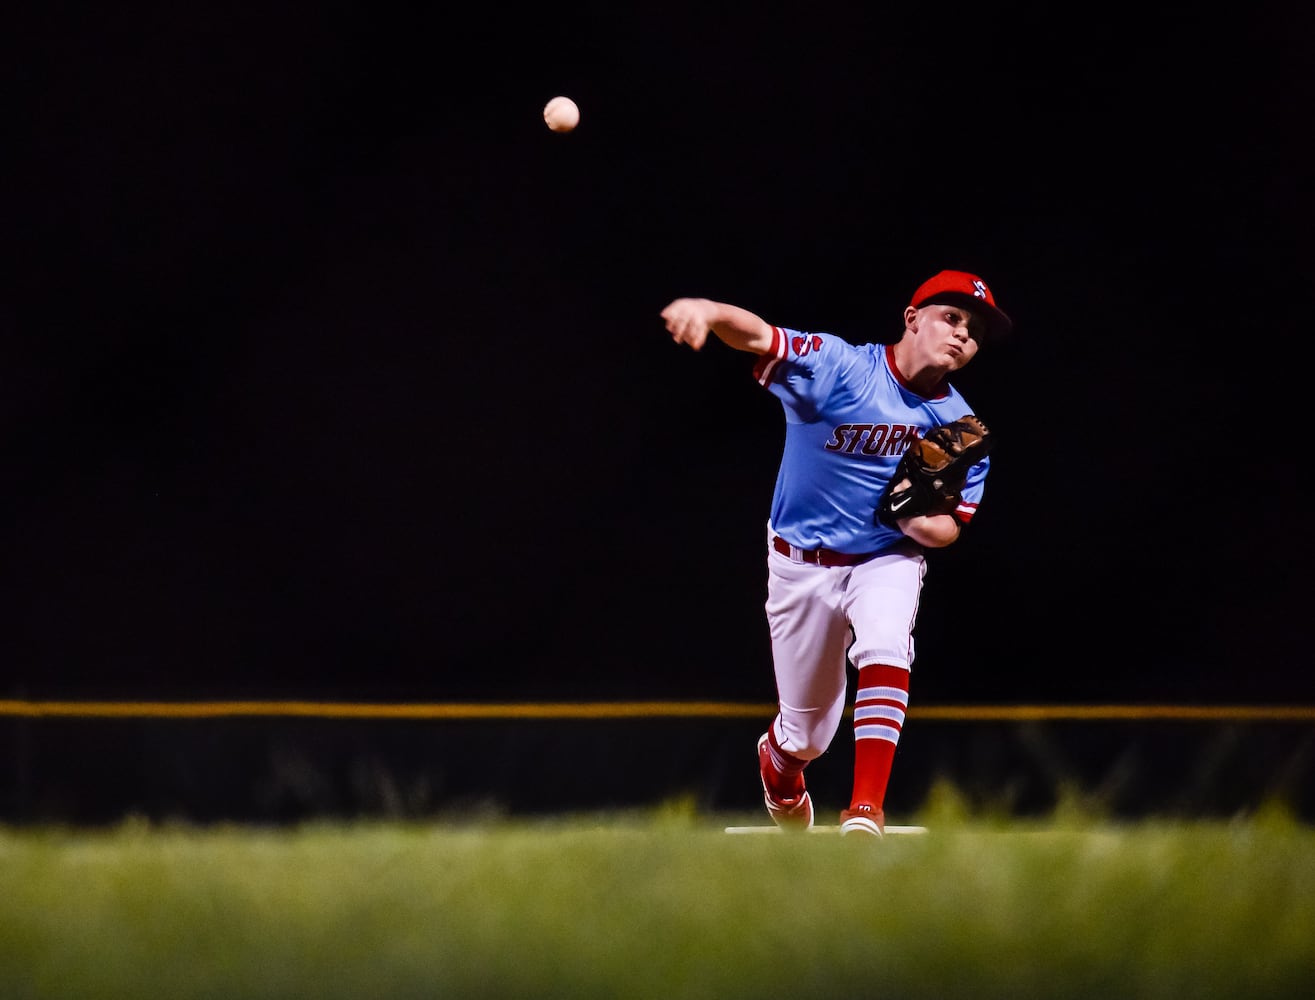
660, 904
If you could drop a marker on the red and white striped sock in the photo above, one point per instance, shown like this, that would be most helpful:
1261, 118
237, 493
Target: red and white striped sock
879, 707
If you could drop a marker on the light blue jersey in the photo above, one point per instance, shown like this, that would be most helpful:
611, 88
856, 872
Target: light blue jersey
849, 417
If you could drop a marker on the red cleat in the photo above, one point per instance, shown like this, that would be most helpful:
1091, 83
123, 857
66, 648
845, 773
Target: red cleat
863, 818
792, 814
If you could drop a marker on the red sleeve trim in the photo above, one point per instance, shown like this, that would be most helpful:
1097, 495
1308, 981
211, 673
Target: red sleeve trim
768, 360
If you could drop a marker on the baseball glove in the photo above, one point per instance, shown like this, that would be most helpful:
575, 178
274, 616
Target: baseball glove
931, 474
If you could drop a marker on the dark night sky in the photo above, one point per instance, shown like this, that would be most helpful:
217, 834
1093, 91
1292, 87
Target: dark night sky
328, 371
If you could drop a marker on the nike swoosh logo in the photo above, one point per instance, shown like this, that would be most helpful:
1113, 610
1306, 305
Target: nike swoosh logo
897, 504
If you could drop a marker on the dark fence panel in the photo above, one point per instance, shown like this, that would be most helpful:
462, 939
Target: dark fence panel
284, 770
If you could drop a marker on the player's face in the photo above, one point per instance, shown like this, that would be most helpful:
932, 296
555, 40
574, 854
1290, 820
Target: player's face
949, 335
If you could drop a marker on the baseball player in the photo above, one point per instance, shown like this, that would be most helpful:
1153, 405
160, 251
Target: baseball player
844, 577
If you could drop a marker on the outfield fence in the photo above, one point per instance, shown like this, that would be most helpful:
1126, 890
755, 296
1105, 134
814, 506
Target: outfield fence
289, 761
623, 710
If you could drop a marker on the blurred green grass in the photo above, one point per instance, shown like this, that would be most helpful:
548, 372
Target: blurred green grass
661, 903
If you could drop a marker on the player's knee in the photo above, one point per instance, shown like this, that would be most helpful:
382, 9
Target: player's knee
808, 739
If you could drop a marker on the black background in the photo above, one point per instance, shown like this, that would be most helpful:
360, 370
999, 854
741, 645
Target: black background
329, 371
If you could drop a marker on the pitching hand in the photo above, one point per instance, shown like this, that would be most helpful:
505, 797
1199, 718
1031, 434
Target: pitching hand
689, 321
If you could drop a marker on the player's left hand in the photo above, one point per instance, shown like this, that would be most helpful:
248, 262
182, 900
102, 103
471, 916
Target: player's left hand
931, 474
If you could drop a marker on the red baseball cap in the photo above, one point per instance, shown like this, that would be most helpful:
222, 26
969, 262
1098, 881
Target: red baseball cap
959, 288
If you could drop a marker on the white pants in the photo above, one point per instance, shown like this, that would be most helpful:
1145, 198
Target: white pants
821, 617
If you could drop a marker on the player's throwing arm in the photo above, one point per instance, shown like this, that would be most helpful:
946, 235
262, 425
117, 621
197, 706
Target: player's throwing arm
690, 320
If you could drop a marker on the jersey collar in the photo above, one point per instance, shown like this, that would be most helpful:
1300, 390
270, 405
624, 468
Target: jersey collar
942, 388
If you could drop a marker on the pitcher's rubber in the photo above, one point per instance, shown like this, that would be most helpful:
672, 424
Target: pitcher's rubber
890, 830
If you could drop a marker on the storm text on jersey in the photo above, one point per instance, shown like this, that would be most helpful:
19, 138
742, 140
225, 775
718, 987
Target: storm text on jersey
872, 439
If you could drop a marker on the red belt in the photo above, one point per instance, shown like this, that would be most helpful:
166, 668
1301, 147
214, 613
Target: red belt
819, 557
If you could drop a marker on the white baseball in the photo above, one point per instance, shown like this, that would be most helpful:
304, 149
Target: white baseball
562, 114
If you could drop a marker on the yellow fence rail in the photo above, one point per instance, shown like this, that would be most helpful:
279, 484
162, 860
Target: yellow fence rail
622, 710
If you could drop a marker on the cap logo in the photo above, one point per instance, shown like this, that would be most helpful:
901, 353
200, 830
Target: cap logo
979, 288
